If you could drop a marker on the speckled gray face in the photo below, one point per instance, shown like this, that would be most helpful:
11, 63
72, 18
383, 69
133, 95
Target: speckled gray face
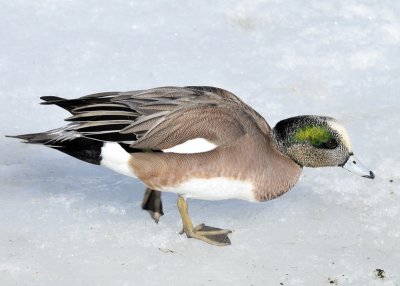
316, 141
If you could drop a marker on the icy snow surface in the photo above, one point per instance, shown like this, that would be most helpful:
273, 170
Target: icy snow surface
65, 222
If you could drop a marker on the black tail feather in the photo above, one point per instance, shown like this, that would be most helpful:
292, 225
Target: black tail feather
82, 148
34, 138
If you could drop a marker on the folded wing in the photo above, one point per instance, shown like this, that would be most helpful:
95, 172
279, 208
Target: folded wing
162, 118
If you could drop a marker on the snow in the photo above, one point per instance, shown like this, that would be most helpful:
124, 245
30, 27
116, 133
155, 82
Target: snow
65, 222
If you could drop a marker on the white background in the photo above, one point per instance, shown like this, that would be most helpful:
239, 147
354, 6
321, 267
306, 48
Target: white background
65, 222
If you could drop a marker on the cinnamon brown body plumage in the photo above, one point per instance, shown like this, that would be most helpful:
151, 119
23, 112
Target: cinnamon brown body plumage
147, 134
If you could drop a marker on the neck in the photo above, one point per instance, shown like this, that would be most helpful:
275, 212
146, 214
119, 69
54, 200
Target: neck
279, 144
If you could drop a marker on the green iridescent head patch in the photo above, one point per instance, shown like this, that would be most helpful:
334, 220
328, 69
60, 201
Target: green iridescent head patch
316, 135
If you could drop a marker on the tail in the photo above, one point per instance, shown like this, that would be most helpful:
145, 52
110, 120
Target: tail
66, 140
69, 142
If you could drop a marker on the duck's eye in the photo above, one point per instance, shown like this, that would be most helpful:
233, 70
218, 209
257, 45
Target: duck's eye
330, 144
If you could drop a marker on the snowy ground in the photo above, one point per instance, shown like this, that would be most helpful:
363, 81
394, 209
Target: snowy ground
64, 222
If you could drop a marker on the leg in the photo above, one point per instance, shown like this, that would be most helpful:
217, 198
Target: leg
153, 204
205, 233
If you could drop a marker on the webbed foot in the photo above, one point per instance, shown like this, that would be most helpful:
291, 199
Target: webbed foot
153, 204
211, 235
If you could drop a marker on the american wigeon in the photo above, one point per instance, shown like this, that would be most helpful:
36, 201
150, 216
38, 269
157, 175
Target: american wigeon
197, 142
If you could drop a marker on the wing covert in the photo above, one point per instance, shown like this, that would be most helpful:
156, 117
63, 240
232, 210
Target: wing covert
161, 118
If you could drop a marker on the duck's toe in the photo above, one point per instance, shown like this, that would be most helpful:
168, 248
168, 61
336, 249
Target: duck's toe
211, 235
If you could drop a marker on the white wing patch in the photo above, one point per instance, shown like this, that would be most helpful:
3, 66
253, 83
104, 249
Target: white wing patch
218, 188
197, 145
116, 158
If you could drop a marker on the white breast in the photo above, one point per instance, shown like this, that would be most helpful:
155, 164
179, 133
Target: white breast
214, 189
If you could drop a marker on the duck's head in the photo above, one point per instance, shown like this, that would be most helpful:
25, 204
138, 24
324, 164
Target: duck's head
318, 141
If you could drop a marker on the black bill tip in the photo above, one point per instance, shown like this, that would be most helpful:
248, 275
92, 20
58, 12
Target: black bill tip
370, 176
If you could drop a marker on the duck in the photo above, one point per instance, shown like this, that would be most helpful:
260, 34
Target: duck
199, 142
